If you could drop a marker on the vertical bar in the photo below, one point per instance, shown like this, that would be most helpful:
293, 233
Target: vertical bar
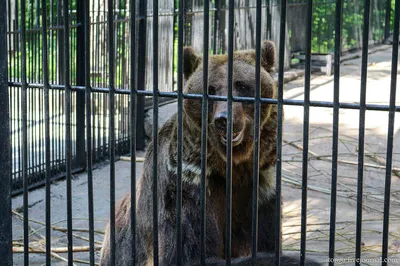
387, 19
68, 144
111, 128
280, 131
9, 31
361, 132
12, 95
36, 76
81, 39
269, 19
45, 72
60, 41
204, 127
306, 125
335, 129
389, 153
24, 111
217, 4
51, 20
88, 99
59, 78
179, 136
18, 77
222, 26
133, 118
155, 131
10, 75
5, 152
36, 93
31, 111
228, 244
141, 74
175, 34
256, 155
17, 72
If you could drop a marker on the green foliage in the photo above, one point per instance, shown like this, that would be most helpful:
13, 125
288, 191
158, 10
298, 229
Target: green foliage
324, 19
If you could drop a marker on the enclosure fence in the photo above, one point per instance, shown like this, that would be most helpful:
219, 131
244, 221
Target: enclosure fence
99, 75
76, 77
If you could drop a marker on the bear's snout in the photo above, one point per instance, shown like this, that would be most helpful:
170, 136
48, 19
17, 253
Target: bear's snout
220, 120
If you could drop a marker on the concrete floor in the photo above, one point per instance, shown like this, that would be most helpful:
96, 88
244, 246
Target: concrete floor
320, 136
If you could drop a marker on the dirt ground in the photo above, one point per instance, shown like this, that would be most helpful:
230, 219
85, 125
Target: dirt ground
319, 173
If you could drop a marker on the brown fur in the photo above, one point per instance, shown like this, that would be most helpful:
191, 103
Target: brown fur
242, 177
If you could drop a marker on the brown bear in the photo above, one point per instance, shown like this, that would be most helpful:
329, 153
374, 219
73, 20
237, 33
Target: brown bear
242, 169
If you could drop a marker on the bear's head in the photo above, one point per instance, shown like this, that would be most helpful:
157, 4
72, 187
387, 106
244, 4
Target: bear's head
244, 84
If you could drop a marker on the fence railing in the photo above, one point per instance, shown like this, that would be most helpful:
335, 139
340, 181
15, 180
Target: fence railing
69, 99
244, 38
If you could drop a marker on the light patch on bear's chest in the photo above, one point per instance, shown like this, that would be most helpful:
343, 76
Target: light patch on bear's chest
190, 172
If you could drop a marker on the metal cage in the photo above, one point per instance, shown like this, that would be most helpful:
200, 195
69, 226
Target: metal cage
75, 96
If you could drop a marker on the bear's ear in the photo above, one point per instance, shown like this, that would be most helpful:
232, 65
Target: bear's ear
268, 54
190, 61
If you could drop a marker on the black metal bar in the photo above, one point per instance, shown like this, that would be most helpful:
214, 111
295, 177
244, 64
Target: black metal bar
161, 14
228, 226
97, 54
36, 76
269, 18
335, 129
10, 39
5, 145
81, 40
389, 152
12, 93
306, 126
155, 132
17, 46
88, 100
323, 104
217, 14
45, 70
30, 61
281, 59
10, 109
42, 182
204, 131
188, 20
141, 74
24, 133
60, 41
60, 80
111, 127
31, 110
36, 29
175, 36
222, 25
387, 18
132, 120
179, 136
256, 154
361, 132
68, 143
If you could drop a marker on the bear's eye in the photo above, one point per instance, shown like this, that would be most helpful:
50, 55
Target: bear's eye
211, 90
243, 89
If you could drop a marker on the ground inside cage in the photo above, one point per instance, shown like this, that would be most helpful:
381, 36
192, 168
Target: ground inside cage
319, 182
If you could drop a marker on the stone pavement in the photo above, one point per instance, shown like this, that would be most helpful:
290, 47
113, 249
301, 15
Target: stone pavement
319, 169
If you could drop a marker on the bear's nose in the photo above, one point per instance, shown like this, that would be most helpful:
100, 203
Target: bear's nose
220, 121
